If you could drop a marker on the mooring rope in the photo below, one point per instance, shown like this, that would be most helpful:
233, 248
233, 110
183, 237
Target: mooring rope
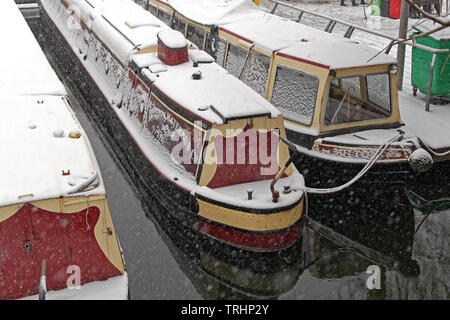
435, 153
369, 165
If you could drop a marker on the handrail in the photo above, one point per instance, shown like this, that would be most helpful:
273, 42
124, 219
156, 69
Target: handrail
353, 26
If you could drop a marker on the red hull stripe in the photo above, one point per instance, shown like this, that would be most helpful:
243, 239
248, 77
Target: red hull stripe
268, 241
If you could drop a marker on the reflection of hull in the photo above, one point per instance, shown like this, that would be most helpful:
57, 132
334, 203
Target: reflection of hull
245, 226
221, 271
380, 223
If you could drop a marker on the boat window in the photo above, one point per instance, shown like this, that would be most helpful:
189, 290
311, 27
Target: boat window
179, 25
256, 72
378, 90
208, 44
235, 59
358, 98
195, 35
153, 9
222, 46
294, 93
164, 16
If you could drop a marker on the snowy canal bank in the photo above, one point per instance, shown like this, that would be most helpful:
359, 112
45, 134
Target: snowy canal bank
345, 235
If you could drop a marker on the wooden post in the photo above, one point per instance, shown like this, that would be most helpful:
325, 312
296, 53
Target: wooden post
402, 34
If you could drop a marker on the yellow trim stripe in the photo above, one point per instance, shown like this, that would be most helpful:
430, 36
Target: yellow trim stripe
250, 221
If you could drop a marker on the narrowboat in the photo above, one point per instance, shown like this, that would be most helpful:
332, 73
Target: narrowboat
57, 237
339, 98
201, 140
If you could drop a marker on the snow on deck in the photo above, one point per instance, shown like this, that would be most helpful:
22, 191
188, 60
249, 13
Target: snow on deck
115, 288
24, 68
432, 127
36, 151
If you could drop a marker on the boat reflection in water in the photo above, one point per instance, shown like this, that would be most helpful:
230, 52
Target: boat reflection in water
221, 271
346, 235
343, 235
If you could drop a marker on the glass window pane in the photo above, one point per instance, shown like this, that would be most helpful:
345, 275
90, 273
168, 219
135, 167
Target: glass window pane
179, 25
221, 52
164, 16
345, 103
153, 10
378, 90
235, 60
256, 72
294, 93
196, 36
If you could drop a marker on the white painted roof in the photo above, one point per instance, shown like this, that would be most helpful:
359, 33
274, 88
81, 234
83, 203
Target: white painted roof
338, 54
23, 66
33, 158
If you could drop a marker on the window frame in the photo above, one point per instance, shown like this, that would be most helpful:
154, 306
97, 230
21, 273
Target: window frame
315, 77
363, 94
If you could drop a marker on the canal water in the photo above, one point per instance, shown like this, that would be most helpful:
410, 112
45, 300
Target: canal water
356, 244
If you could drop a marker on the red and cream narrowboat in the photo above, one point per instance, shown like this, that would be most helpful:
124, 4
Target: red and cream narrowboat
57, 238
205, 143
339, 98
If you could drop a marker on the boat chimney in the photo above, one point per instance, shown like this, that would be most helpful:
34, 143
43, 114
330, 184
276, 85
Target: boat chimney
172, 47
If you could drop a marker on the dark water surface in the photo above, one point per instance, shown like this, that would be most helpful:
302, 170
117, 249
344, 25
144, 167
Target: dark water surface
344, 235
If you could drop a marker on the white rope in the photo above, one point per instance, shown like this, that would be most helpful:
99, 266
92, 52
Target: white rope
369, 164
84, 184
435, 153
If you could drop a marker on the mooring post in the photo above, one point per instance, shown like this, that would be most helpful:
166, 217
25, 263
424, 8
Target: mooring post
402, 34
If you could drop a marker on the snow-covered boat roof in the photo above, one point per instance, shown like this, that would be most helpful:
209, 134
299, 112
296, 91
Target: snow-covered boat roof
338, 55
215, 12
34, 135
23, 66
272, 33
229, 97
224, 96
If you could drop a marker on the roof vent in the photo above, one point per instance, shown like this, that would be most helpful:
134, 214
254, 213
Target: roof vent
172, 47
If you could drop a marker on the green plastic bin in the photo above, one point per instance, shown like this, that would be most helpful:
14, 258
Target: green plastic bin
421, 62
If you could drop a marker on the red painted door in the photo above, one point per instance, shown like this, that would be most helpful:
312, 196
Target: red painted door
16, 257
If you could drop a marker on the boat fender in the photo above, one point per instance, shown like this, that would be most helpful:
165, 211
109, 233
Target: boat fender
421, 161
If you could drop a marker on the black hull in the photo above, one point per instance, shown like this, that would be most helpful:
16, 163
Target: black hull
324, 173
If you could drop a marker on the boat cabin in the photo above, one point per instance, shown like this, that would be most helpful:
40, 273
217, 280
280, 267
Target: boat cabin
322, 84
